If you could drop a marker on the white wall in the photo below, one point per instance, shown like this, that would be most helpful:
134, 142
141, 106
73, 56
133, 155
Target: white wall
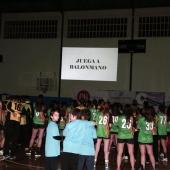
21, 56
150, 69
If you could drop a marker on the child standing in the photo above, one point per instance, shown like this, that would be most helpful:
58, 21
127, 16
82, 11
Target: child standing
74, 133
162, 131
114, 127
145, 137
125, 135
52, 145
38, 125
103, 121
87, 150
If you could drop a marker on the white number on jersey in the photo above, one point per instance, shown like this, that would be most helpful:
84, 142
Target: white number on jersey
102, 120
124, 125
149, 126
115, 119
163, 120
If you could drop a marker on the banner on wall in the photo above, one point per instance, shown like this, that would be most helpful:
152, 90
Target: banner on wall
124, 97
90, 94
153, 98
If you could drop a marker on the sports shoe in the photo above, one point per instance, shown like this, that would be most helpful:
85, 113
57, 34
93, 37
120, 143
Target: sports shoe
141, 167
5, 157
161, 155
95, 164
28, 152
154, 168
37, 153
12, 157
165, 159
125, 157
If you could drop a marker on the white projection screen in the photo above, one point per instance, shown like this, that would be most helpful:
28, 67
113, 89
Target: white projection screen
93, 64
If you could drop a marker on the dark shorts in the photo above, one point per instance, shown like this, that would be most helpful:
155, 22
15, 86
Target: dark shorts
103, 138
162, 137
38, 126
1, 127
129, 141
114, 133
140, 143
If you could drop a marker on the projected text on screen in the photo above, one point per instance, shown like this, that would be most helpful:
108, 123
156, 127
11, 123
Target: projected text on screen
93, 64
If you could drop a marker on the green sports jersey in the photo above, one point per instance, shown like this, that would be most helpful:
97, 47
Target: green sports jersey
162, 123
93, 113
68, 116
102, 125
145, 133
37, 119
62, 123
168, 126
114, 127
124, 131
48, 114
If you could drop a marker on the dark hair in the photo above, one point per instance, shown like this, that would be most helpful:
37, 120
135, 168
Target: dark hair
88, 103
162, 108
54, 105
76, 112
64, 103
39, 105
134, 102
128, 113
136, 110
168, 113
82, 101
86, 113
53, 111
75, 103
145, 104
115, 109
100, 101
104, 107
94, 103
149, 114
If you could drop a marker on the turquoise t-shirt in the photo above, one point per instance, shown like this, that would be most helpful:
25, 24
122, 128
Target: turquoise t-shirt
74, 134
52, 146
88, 143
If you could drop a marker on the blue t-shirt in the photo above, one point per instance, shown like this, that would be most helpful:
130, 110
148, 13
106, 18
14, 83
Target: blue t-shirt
74, 133
88, 143
52, 146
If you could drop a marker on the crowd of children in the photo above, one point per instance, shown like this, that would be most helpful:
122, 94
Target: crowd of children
79, 129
